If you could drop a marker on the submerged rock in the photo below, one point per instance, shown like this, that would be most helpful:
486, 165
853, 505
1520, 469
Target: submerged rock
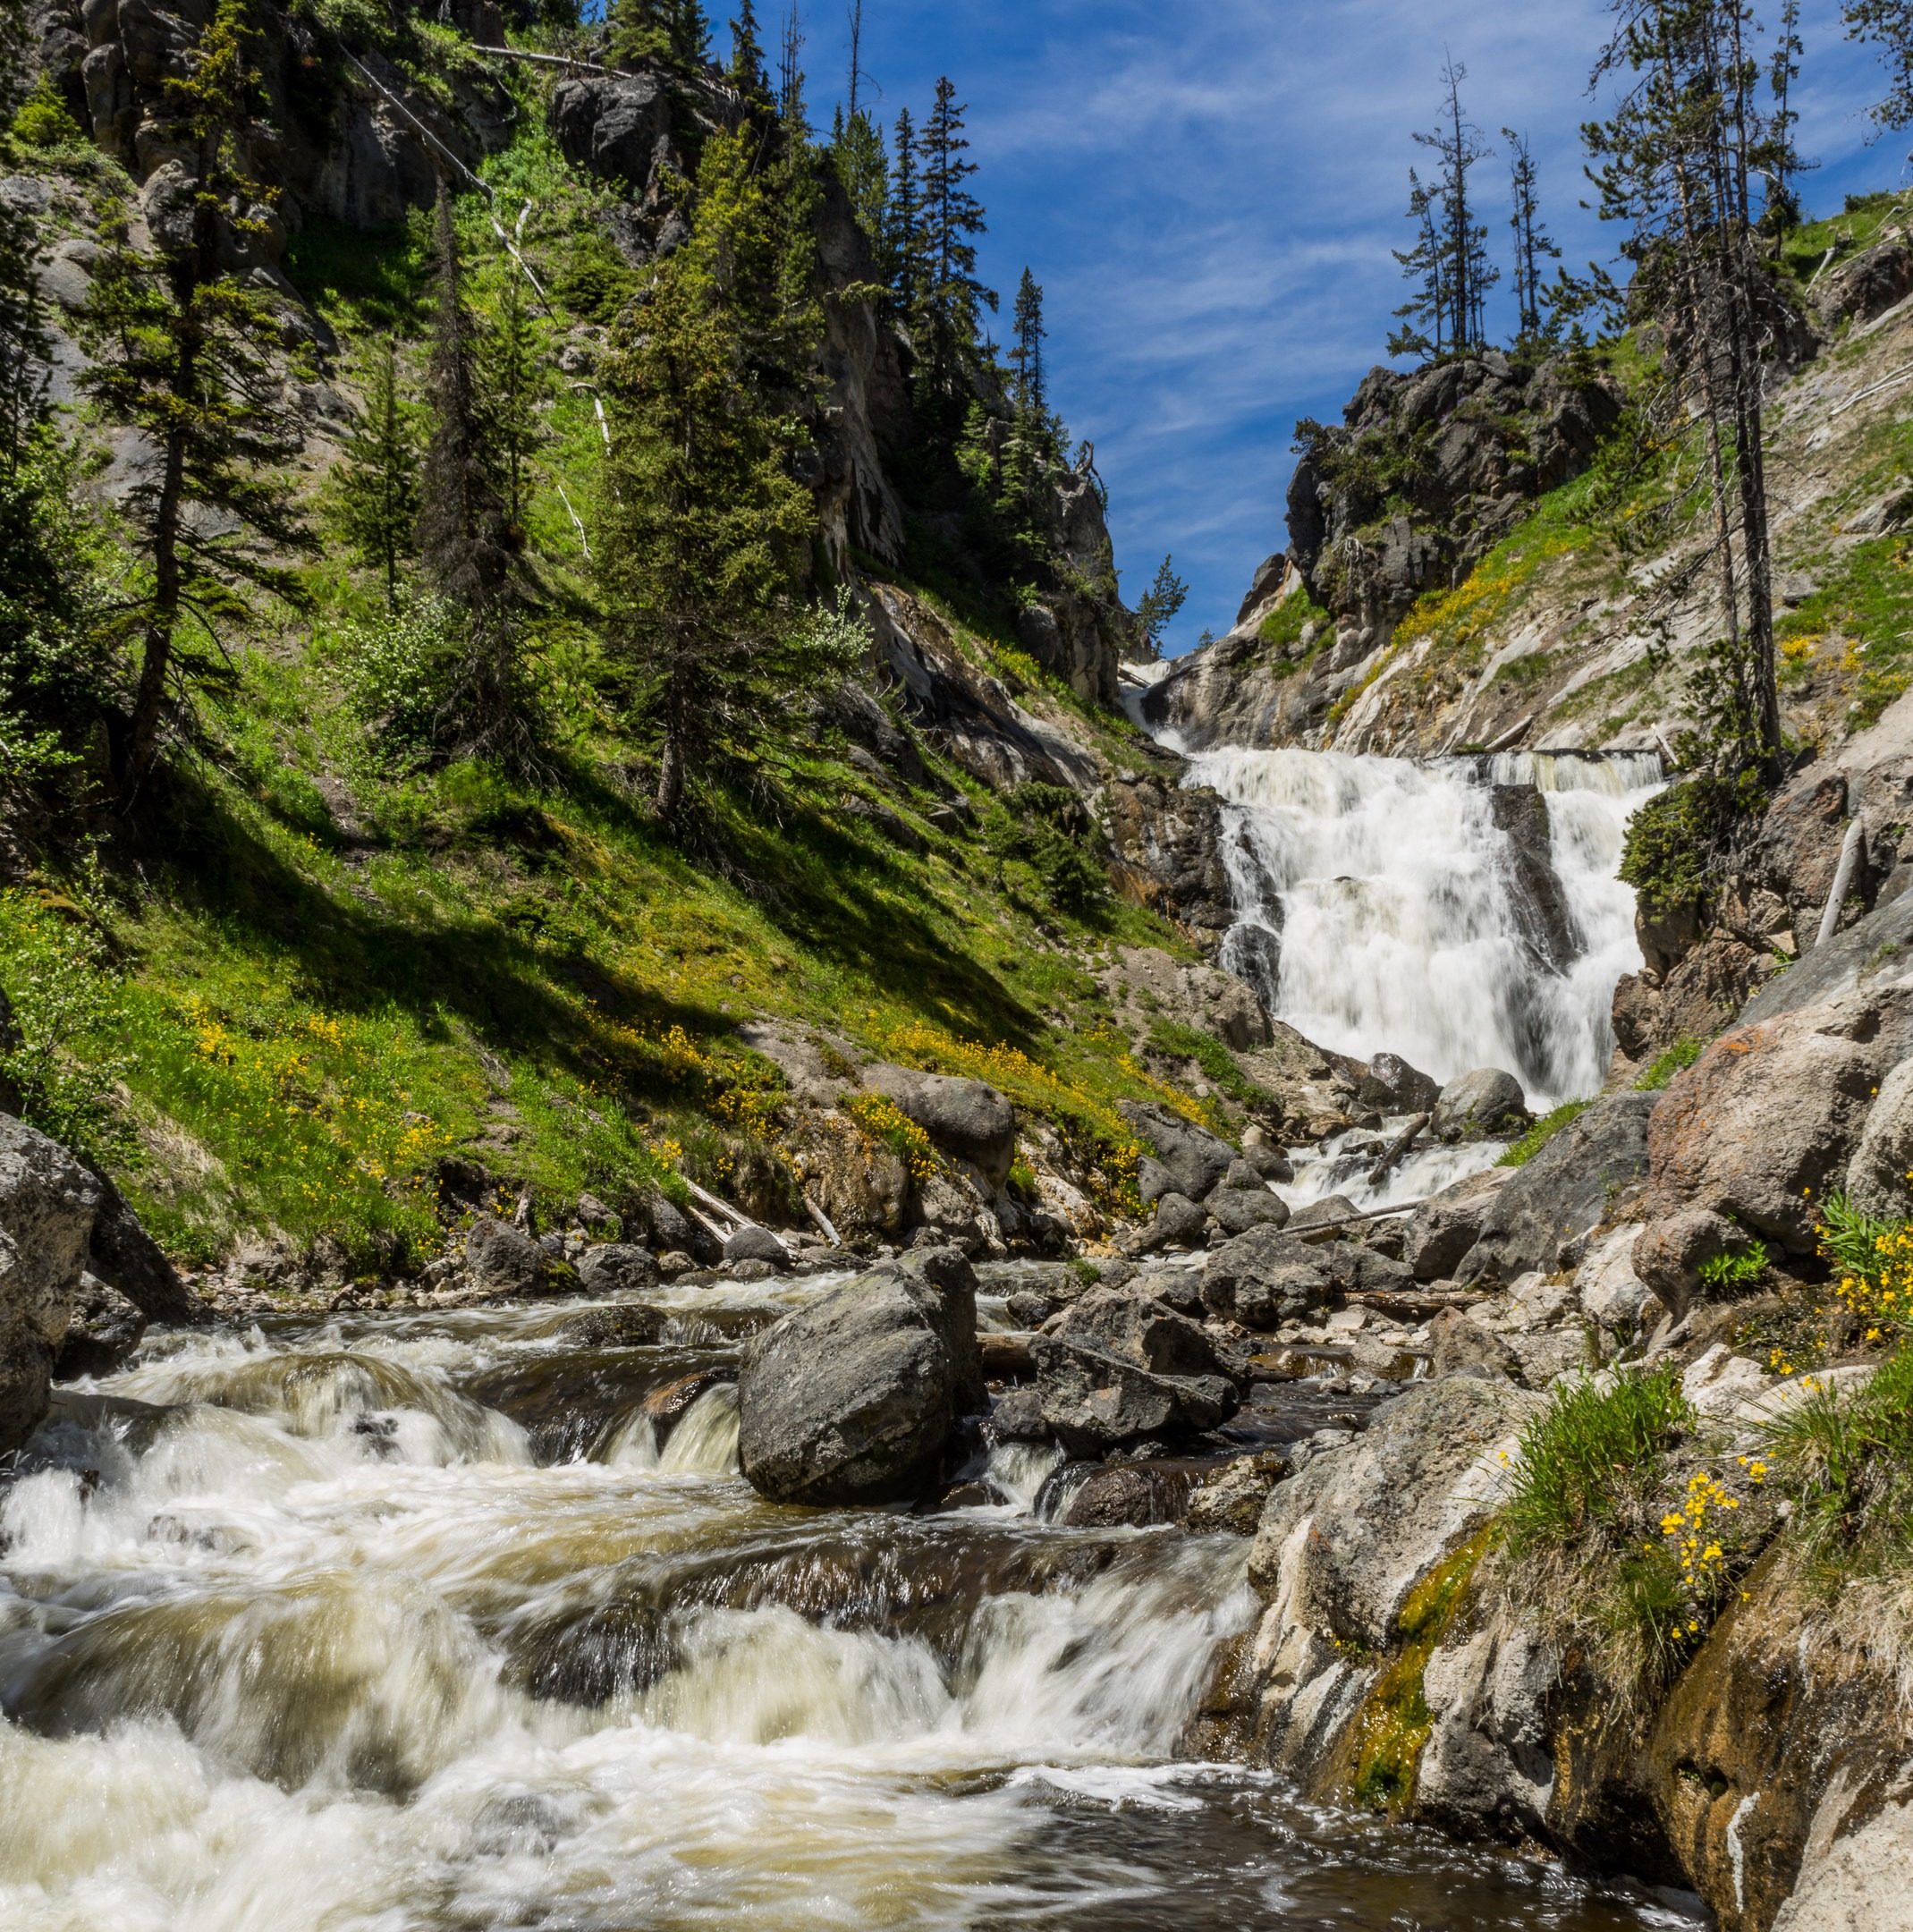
853, 1398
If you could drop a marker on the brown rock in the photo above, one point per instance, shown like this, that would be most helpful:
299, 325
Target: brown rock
1764, 1123
1668, 1255
1692, 1002
1460, 1345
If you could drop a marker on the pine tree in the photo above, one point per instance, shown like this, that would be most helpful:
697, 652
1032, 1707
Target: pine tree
26, 350
791, 108
1466, 274
186, 352
1781, 161
746, 72
1031, 386
706, 533
1674, 163
1425, 266
1889, 25
856, 153
1161, 603
1532, 243
673, 31
515, 383
378, 487
469, 540
952, 215
905, 254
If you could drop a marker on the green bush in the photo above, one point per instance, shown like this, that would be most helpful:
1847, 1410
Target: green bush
1592, 1453
1665, 857
1544, 1130
1726, 1273
1049, 829
396, 669
43, 122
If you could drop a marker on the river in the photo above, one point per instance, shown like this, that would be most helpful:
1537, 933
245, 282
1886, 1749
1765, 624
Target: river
408, 1624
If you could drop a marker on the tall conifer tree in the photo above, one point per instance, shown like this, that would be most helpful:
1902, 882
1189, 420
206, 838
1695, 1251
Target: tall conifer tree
952, 215
1027, 356
187, 353
908, 273
746, 72
1533, 244
379, 483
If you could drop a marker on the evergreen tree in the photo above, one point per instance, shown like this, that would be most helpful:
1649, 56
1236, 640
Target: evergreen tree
746, 72
1160, 603
379, 486
186, 352
470, 541
952, 215
673, 31
791, 108
706, 534
1532, 243
1031, 386
1466, 274
26, 351
905, 256
1782, 162
856, 153
1425, 266
1674, 163
516, 383
1889, 25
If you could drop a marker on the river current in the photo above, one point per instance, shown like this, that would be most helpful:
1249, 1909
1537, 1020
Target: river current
406, 1622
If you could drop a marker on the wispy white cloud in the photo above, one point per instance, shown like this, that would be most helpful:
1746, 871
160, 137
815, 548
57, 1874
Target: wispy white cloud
1209, 194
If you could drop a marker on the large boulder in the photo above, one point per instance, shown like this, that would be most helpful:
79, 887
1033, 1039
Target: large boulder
1605, 1283
852, 1398
965, 1117
1763, 1125
103, 1331
1344, 1542
1668, 1256
1264, 1278
752, 1243
501, 1260
47, 1205
127, 1259
1184, 1158
1392, 1086
616, 1267
1142, 1330
1236, 1210
1447, 1225
1567, 1189
1092, 1401
1479, 1105
1178, 1222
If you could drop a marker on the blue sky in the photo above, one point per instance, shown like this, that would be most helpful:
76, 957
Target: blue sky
1208, 192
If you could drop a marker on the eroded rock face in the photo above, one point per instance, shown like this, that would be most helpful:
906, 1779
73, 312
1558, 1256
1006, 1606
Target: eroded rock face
1343, 1543
1763, 1125
47, 1204
1450, 1224
1877, 1181
1574, 1184
852, 1398
1167, 842
1487, 1770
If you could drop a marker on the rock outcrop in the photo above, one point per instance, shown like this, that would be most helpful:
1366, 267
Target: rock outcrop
852, 1398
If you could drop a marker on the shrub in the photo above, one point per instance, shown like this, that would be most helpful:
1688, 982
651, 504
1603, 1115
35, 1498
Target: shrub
1727, 1273
43, 120
1590, 1454
1677, 1059
1665, 855
397, 667
1544, 1130
1049, 829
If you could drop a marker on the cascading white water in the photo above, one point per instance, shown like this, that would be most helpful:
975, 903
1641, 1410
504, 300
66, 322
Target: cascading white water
1377, 906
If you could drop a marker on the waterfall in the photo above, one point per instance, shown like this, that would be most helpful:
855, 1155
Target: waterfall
1382, 905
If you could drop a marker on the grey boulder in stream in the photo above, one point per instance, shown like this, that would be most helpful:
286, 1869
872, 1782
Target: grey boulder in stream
853, 1398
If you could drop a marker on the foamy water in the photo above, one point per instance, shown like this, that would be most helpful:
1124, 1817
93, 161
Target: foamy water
1375, 908
298, 1634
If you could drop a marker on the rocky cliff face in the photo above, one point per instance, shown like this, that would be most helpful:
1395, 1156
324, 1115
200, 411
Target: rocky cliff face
1552, 642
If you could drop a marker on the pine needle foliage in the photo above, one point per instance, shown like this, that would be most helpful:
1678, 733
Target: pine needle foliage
706, 534
184, 351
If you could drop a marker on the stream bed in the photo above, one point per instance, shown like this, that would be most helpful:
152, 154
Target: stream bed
409, 1622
